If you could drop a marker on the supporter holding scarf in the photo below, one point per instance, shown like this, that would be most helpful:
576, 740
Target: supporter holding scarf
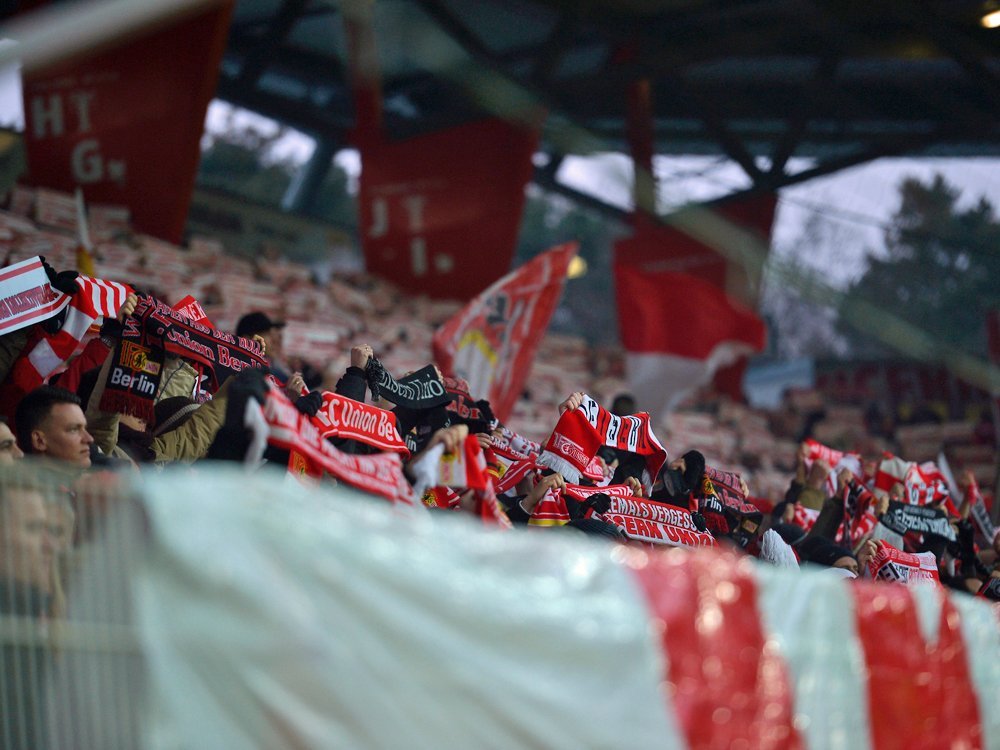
422, 389
154, 330
585, 426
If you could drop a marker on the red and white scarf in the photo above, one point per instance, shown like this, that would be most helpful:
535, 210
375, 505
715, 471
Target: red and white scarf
552, 510
26, 296
923, 483
379, 474
519, 443
581, 431
45, 353
894, 565
463, 470
656, 523
804, 517
344, 417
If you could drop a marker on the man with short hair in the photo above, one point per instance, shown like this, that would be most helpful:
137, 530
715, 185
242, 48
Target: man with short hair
51, 424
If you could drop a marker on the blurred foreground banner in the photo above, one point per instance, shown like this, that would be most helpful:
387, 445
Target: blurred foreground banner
210, 608
124, 124
440, 212
271, 615
491, 342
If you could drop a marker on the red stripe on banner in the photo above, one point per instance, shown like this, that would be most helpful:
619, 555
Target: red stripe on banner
921, 694
9, 274
729, 687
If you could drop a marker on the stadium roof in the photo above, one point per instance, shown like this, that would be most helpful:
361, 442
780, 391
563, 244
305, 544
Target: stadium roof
840, 82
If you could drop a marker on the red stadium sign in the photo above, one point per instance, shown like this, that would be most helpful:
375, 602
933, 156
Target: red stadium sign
125, 124
440, 212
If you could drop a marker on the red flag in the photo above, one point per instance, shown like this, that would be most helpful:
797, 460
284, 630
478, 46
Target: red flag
677, 330
125, 123
491, 342
440, 212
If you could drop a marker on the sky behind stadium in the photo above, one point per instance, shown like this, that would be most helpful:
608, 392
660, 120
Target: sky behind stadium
858, 202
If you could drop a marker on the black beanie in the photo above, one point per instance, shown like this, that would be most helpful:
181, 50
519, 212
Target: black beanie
821, 551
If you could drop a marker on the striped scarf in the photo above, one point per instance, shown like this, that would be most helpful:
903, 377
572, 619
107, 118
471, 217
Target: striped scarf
45, 353
581, 431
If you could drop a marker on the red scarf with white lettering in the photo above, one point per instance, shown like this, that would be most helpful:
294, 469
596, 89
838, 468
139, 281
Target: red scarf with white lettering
344, 417
581, 431
378, 474
654, 522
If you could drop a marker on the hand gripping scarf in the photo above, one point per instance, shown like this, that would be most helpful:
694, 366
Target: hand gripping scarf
422, 389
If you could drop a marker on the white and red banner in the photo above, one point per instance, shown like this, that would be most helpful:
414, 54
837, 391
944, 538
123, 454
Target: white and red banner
125, 123
684, 309
440, 212
26, 297
540, 640
678, 330
894, 565
491, 342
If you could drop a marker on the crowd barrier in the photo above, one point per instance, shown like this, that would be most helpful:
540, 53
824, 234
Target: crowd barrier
209, 608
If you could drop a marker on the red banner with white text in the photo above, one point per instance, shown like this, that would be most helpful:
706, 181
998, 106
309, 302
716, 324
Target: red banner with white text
124, 124
440, 212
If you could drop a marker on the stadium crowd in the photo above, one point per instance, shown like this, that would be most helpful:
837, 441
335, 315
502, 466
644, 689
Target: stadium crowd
121, 382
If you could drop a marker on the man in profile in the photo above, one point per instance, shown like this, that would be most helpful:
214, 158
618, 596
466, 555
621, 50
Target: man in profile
51, 425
